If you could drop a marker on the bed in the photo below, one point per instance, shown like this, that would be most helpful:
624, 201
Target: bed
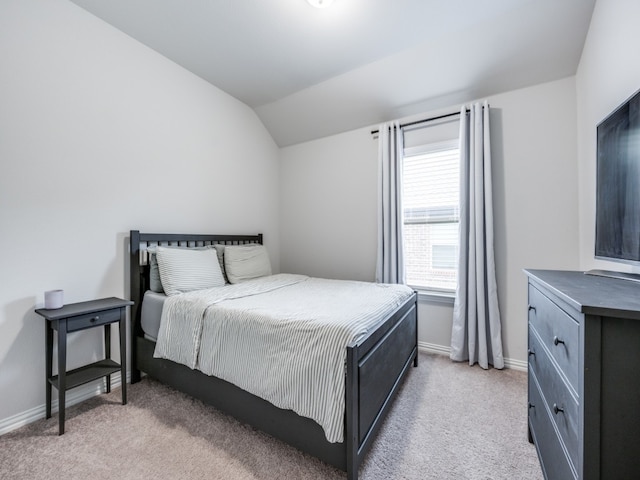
375, 366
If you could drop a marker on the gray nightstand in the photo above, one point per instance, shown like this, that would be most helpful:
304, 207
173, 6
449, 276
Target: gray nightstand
73, 318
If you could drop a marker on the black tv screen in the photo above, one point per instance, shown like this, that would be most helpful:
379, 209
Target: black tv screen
618, 184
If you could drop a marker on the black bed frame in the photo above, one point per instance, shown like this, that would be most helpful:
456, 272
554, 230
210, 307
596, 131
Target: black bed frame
375, 369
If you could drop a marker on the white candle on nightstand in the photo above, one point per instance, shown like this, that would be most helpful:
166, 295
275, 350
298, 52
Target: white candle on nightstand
53, 299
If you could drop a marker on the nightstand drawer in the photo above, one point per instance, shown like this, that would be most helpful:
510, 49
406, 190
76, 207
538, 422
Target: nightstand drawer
93, 320
561, 404
554, 462
559, 332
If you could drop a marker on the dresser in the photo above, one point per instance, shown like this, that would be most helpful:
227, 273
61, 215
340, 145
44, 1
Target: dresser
584, 375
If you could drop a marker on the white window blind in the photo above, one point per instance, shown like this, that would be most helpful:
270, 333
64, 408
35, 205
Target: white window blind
431, 185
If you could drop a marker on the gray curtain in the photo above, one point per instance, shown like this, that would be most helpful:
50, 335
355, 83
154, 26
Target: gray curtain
390, 264
476, 333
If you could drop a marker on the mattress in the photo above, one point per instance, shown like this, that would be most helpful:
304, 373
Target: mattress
152, 304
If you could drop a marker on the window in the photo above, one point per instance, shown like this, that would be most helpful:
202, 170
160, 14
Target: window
431, 185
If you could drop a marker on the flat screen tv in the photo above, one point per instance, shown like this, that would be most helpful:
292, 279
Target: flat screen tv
618, 184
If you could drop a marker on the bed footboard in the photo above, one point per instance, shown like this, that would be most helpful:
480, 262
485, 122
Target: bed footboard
375, 370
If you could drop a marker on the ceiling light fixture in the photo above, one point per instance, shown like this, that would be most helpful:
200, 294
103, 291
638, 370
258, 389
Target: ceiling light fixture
320, 3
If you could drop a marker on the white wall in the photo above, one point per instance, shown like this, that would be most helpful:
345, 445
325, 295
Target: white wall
328, 206
328, 196
535, 195
100, 135
609, 73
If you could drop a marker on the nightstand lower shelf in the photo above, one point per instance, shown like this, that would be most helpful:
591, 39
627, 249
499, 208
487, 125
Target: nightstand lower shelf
87, 373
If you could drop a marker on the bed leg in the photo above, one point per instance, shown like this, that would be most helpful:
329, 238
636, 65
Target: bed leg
353, 474
351, 397
135, 371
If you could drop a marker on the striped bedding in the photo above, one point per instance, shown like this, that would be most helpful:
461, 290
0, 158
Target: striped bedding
282, 337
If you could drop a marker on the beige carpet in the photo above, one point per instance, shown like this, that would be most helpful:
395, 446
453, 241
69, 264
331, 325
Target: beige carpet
450, 421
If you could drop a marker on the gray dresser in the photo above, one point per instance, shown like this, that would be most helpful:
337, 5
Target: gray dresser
584, 375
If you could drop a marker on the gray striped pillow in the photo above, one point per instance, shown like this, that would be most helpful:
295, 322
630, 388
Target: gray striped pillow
183, 270
245, 262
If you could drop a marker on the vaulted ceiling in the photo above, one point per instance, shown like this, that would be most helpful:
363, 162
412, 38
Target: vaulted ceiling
310, 72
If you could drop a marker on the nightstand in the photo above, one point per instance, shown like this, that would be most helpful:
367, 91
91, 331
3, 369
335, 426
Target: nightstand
73, 318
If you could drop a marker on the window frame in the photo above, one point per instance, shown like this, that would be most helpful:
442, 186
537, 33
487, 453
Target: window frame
433, 294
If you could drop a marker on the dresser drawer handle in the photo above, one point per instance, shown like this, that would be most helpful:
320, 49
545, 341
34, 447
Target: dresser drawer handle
531, 307
556, 341
95, 319
557, 409
531, 352
531, 405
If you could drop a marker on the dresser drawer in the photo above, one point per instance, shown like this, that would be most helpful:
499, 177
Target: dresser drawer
559, 333
93, 319
561, 404
555, 464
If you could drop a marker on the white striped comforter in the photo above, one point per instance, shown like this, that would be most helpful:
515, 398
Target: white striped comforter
282, 338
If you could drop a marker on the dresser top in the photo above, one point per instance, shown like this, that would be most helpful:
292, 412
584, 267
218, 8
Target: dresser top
592, 294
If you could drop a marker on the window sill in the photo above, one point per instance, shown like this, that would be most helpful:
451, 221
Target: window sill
434, 296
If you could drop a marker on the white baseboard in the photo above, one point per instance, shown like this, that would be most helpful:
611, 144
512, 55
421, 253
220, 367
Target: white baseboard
74, 396
514, 364
444, 350
434, 348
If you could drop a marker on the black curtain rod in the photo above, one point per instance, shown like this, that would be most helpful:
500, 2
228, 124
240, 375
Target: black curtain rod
417, 122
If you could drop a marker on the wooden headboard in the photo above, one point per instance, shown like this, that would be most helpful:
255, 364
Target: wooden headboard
139, 261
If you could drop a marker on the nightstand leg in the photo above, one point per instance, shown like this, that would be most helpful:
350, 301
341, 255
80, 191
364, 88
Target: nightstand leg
62, 373
49, 364
123, 354
107, 351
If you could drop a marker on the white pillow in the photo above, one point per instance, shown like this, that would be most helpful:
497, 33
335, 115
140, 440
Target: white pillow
244, 262
186, 269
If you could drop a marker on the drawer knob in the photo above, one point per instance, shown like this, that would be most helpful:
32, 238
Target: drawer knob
557, 409
556, 341
531, 307
95, 319
531, 352
531, 405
